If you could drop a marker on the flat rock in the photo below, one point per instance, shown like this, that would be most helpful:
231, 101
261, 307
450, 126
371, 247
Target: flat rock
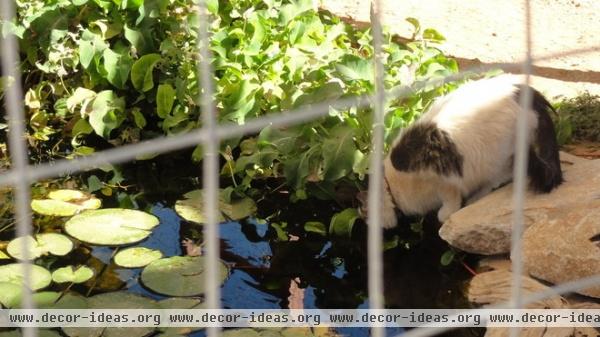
566, 247
484, 227
494, 287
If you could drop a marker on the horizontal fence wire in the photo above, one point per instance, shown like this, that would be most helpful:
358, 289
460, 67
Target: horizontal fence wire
21, 174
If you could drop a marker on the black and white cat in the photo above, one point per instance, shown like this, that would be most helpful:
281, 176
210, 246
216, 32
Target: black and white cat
463, 147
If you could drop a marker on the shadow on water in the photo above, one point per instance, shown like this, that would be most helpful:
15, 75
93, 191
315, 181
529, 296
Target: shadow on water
309, 270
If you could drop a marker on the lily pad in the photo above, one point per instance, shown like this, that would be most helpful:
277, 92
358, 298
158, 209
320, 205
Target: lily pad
70, 300
123, 300
41, 333
10, 294
191, 207
73, 275
13, 273
137, 257
179, 275
65, 203
111, 226
46, 243
180, 303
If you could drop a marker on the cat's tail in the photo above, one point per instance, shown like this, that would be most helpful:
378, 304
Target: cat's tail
544, 162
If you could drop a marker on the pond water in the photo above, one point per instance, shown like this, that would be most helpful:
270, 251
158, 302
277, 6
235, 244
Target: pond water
330, 272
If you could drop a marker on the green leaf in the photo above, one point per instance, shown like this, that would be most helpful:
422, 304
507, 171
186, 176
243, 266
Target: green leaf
213, 6
108, 112
353, 68
86, 53
45, 243
339, 152
315, 227
343, 222
72, 275
138, 118
94, 183
137, 39
111, 226
433, 35
179, 275
416, 26
447, 257
165, 96
117, 67
137, 257
142, 72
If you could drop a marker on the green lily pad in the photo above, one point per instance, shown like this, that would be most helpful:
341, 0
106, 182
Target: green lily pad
111, 226
46, 243
137, 257
73, 275
244, 332
67, 195
191, 207
10, 294
70, 300
115, 300
13, 273
123, 300
179, 275
41, 333
65, 203
180, 303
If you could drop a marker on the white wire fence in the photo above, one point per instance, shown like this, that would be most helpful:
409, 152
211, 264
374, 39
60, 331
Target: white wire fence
22, 175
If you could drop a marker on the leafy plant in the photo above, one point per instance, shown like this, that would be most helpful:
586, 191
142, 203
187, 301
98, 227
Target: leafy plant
578, 118
103, 73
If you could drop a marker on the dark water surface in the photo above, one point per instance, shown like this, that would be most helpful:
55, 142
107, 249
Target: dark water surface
332, 272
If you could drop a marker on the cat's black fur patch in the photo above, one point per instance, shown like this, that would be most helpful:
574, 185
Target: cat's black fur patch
424, 146
544, 161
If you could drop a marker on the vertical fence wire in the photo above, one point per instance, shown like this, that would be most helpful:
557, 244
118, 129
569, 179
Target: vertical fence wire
520, 174
375, 230
18, 150
210, 174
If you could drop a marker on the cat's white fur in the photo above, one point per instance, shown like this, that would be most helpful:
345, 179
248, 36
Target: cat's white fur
480, 119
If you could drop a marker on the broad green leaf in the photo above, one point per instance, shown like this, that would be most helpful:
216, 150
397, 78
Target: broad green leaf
86, 53
343, 222
353, 68
433, 35
111, 226
136, 38
10, 294
142, 72
79, 96
108, 112
213, 6
165, 97
137, 257
315, 227
138, 118
13, 273
117, 66
73, 275
94, 183
192, 206
42, 244
179, 275
339, 151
